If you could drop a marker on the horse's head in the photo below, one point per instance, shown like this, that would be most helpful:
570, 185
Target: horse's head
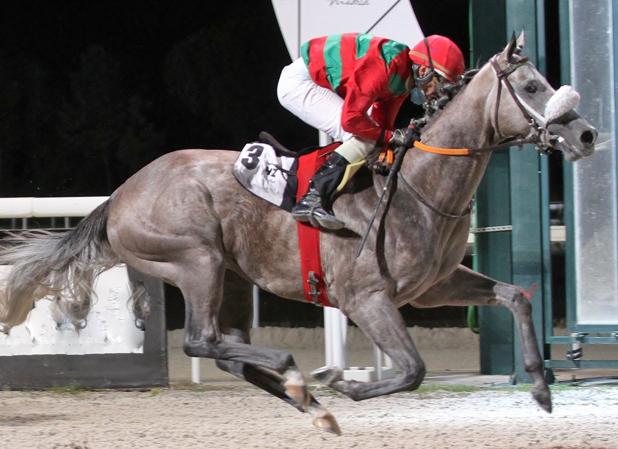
526, 106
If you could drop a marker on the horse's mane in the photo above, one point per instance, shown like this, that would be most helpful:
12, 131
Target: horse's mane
454, 94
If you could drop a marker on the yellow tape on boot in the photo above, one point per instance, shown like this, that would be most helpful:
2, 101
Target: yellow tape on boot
350, 171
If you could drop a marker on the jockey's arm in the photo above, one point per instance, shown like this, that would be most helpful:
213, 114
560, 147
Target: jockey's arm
354, 117
384, 113
367, 87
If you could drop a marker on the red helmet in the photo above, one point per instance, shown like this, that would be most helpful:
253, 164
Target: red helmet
446, 57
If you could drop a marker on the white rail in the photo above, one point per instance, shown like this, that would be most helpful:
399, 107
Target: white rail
71, 206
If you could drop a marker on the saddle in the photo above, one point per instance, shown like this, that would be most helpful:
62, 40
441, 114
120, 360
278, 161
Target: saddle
271, 171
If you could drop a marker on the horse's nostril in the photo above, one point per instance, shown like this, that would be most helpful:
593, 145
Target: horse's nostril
588, 137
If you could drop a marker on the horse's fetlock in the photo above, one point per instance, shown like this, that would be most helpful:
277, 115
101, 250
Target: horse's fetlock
522, 304
413, 378
294, 378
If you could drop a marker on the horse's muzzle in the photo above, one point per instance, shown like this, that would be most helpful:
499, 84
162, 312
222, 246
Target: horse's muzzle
576, 138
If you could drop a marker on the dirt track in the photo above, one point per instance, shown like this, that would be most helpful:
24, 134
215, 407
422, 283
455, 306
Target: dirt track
235, 416
230, 414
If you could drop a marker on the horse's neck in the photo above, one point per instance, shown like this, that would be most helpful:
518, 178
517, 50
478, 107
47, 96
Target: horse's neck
449, 182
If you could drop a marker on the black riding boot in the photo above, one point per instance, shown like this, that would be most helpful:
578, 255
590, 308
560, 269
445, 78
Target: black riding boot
315, 206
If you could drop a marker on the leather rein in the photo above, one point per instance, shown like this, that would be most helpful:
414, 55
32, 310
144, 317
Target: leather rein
537, 136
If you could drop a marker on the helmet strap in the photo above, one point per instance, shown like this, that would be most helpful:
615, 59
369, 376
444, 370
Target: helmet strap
429, 55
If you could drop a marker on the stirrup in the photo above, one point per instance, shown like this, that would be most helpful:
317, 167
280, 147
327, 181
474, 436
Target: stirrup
318, 218
329, 221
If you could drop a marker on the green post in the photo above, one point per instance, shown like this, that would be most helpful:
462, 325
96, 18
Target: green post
514, 191
493, 250
530, 187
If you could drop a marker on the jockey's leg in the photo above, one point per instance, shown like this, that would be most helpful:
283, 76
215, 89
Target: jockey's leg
316, 206
313, 104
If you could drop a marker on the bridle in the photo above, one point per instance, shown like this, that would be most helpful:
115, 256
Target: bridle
538, 135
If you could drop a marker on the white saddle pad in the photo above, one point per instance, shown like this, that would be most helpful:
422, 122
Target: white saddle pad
263, 173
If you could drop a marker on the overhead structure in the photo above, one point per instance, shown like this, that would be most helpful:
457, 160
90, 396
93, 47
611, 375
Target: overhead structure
301, 20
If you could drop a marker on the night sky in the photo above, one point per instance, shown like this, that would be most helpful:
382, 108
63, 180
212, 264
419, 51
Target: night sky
90, 91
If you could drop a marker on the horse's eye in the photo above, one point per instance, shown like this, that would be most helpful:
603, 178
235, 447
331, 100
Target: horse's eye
531, 87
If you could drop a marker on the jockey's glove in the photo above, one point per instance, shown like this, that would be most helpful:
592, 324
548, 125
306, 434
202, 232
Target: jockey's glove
403, 137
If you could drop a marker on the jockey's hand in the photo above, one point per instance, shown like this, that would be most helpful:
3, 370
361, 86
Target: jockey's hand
403, 137
398, 138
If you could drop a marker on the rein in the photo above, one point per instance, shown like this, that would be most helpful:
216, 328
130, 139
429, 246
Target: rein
424, 201
538, 135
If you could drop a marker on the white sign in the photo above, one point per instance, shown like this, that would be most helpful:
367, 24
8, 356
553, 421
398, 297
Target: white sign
301, 20
110, 328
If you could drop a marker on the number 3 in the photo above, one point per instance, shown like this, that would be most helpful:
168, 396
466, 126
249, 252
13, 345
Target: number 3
254, 152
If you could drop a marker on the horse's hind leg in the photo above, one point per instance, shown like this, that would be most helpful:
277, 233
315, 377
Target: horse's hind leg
235, 318
201, 283
466, 287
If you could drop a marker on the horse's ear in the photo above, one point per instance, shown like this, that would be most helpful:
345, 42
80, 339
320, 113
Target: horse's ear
514, 47
511, 48
521, 41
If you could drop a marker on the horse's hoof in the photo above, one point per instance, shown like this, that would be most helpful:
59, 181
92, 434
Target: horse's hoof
328, 374
542, 396
327, 423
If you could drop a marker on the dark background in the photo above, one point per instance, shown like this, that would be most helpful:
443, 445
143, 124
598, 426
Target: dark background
90, 91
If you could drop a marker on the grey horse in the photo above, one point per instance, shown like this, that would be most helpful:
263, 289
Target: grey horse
184, 219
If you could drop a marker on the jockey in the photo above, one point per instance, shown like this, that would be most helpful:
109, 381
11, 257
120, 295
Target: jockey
351, 86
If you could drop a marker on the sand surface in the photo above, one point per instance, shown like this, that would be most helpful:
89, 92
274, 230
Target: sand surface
230, 416
454, 408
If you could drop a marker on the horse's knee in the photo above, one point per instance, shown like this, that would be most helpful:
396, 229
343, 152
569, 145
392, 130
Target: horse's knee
513, 299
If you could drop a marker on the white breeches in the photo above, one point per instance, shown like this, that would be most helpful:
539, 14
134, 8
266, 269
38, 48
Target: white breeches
318, 107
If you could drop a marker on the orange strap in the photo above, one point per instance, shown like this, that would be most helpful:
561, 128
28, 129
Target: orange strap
446, 151
386, 157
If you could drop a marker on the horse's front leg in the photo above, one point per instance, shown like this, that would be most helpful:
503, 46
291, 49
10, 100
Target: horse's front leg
466, 287
380, 320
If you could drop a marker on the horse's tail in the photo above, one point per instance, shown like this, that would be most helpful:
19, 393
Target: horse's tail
60, 264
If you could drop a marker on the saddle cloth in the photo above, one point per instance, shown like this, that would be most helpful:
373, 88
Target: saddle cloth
283, 180
261, 171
